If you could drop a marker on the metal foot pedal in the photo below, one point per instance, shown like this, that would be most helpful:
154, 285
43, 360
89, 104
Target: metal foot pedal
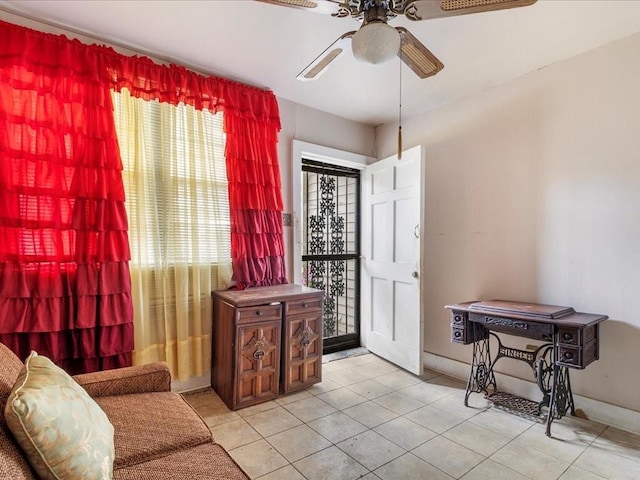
518, 405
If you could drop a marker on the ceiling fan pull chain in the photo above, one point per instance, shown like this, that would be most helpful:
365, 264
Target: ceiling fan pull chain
400, 114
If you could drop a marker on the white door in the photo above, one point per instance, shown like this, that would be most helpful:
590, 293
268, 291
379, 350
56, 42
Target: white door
391, 219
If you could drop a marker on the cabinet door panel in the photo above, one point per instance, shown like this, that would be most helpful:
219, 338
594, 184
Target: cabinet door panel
302, 353
258, 362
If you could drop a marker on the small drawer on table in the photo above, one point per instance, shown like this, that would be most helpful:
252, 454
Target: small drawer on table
458, 319
309, 304
458, 335
570, 356
578, 357
569, 336
259, 313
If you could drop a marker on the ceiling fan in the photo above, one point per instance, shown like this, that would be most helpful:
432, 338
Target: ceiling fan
376, 41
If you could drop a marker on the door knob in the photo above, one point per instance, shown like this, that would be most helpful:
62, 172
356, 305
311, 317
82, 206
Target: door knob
415, 274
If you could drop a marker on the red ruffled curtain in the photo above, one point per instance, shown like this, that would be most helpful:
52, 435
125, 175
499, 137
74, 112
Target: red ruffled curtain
255, 202
64, 276
65, 287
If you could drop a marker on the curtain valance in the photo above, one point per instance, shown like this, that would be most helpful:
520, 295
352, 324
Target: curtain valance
44, 52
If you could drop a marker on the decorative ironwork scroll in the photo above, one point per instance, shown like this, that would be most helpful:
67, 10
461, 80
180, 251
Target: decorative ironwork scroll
481, 377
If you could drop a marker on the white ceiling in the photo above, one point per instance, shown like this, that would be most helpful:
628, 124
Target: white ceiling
267, 46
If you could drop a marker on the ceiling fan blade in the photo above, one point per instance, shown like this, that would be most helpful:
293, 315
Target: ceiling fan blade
428, 9
417, 56
322, 61
330, 7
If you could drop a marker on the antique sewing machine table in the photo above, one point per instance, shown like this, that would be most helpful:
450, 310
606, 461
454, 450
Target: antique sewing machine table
571, 341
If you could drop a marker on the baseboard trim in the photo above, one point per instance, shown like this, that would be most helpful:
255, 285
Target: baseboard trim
194, 383
596, 410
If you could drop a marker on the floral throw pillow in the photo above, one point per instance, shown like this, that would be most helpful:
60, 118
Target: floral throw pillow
63, 432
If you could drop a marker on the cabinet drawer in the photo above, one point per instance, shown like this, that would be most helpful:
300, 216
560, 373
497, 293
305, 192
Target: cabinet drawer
519, 327
569, 356
578, 357
303, 305
259, 313
569, 336
457, 335
458, 319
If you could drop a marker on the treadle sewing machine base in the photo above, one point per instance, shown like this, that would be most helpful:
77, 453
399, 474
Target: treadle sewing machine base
571, 338
513, 403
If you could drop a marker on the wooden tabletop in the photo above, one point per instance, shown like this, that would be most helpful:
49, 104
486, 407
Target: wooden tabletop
530, 311
264, 295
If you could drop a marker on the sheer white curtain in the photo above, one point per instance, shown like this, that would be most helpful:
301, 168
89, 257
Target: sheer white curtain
177, 203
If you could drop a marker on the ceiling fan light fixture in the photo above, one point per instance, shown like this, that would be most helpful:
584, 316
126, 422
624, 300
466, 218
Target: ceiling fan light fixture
375, 42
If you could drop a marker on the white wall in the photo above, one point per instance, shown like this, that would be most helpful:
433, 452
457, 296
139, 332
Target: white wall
320, 128
533, 194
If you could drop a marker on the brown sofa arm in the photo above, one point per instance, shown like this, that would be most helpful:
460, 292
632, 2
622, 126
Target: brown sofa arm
152, 377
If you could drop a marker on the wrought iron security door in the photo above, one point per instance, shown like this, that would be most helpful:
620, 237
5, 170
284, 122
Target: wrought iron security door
331, 248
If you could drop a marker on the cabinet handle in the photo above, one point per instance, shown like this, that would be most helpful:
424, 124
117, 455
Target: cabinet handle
259, 353
305, 340
258, 312
305, 305
568, 336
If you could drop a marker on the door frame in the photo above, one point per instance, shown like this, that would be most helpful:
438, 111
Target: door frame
318, 153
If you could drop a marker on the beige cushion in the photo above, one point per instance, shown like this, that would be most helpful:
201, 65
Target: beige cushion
63, 432
152, 425
204, 462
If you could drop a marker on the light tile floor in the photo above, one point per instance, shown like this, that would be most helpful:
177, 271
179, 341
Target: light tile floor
370, 420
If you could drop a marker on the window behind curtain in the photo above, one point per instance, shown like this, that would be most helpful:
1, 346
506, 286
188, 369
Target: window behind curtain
179, 227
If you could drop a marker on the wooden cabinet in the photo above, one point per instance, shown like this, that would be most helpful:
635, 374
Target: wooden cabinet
266, 340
